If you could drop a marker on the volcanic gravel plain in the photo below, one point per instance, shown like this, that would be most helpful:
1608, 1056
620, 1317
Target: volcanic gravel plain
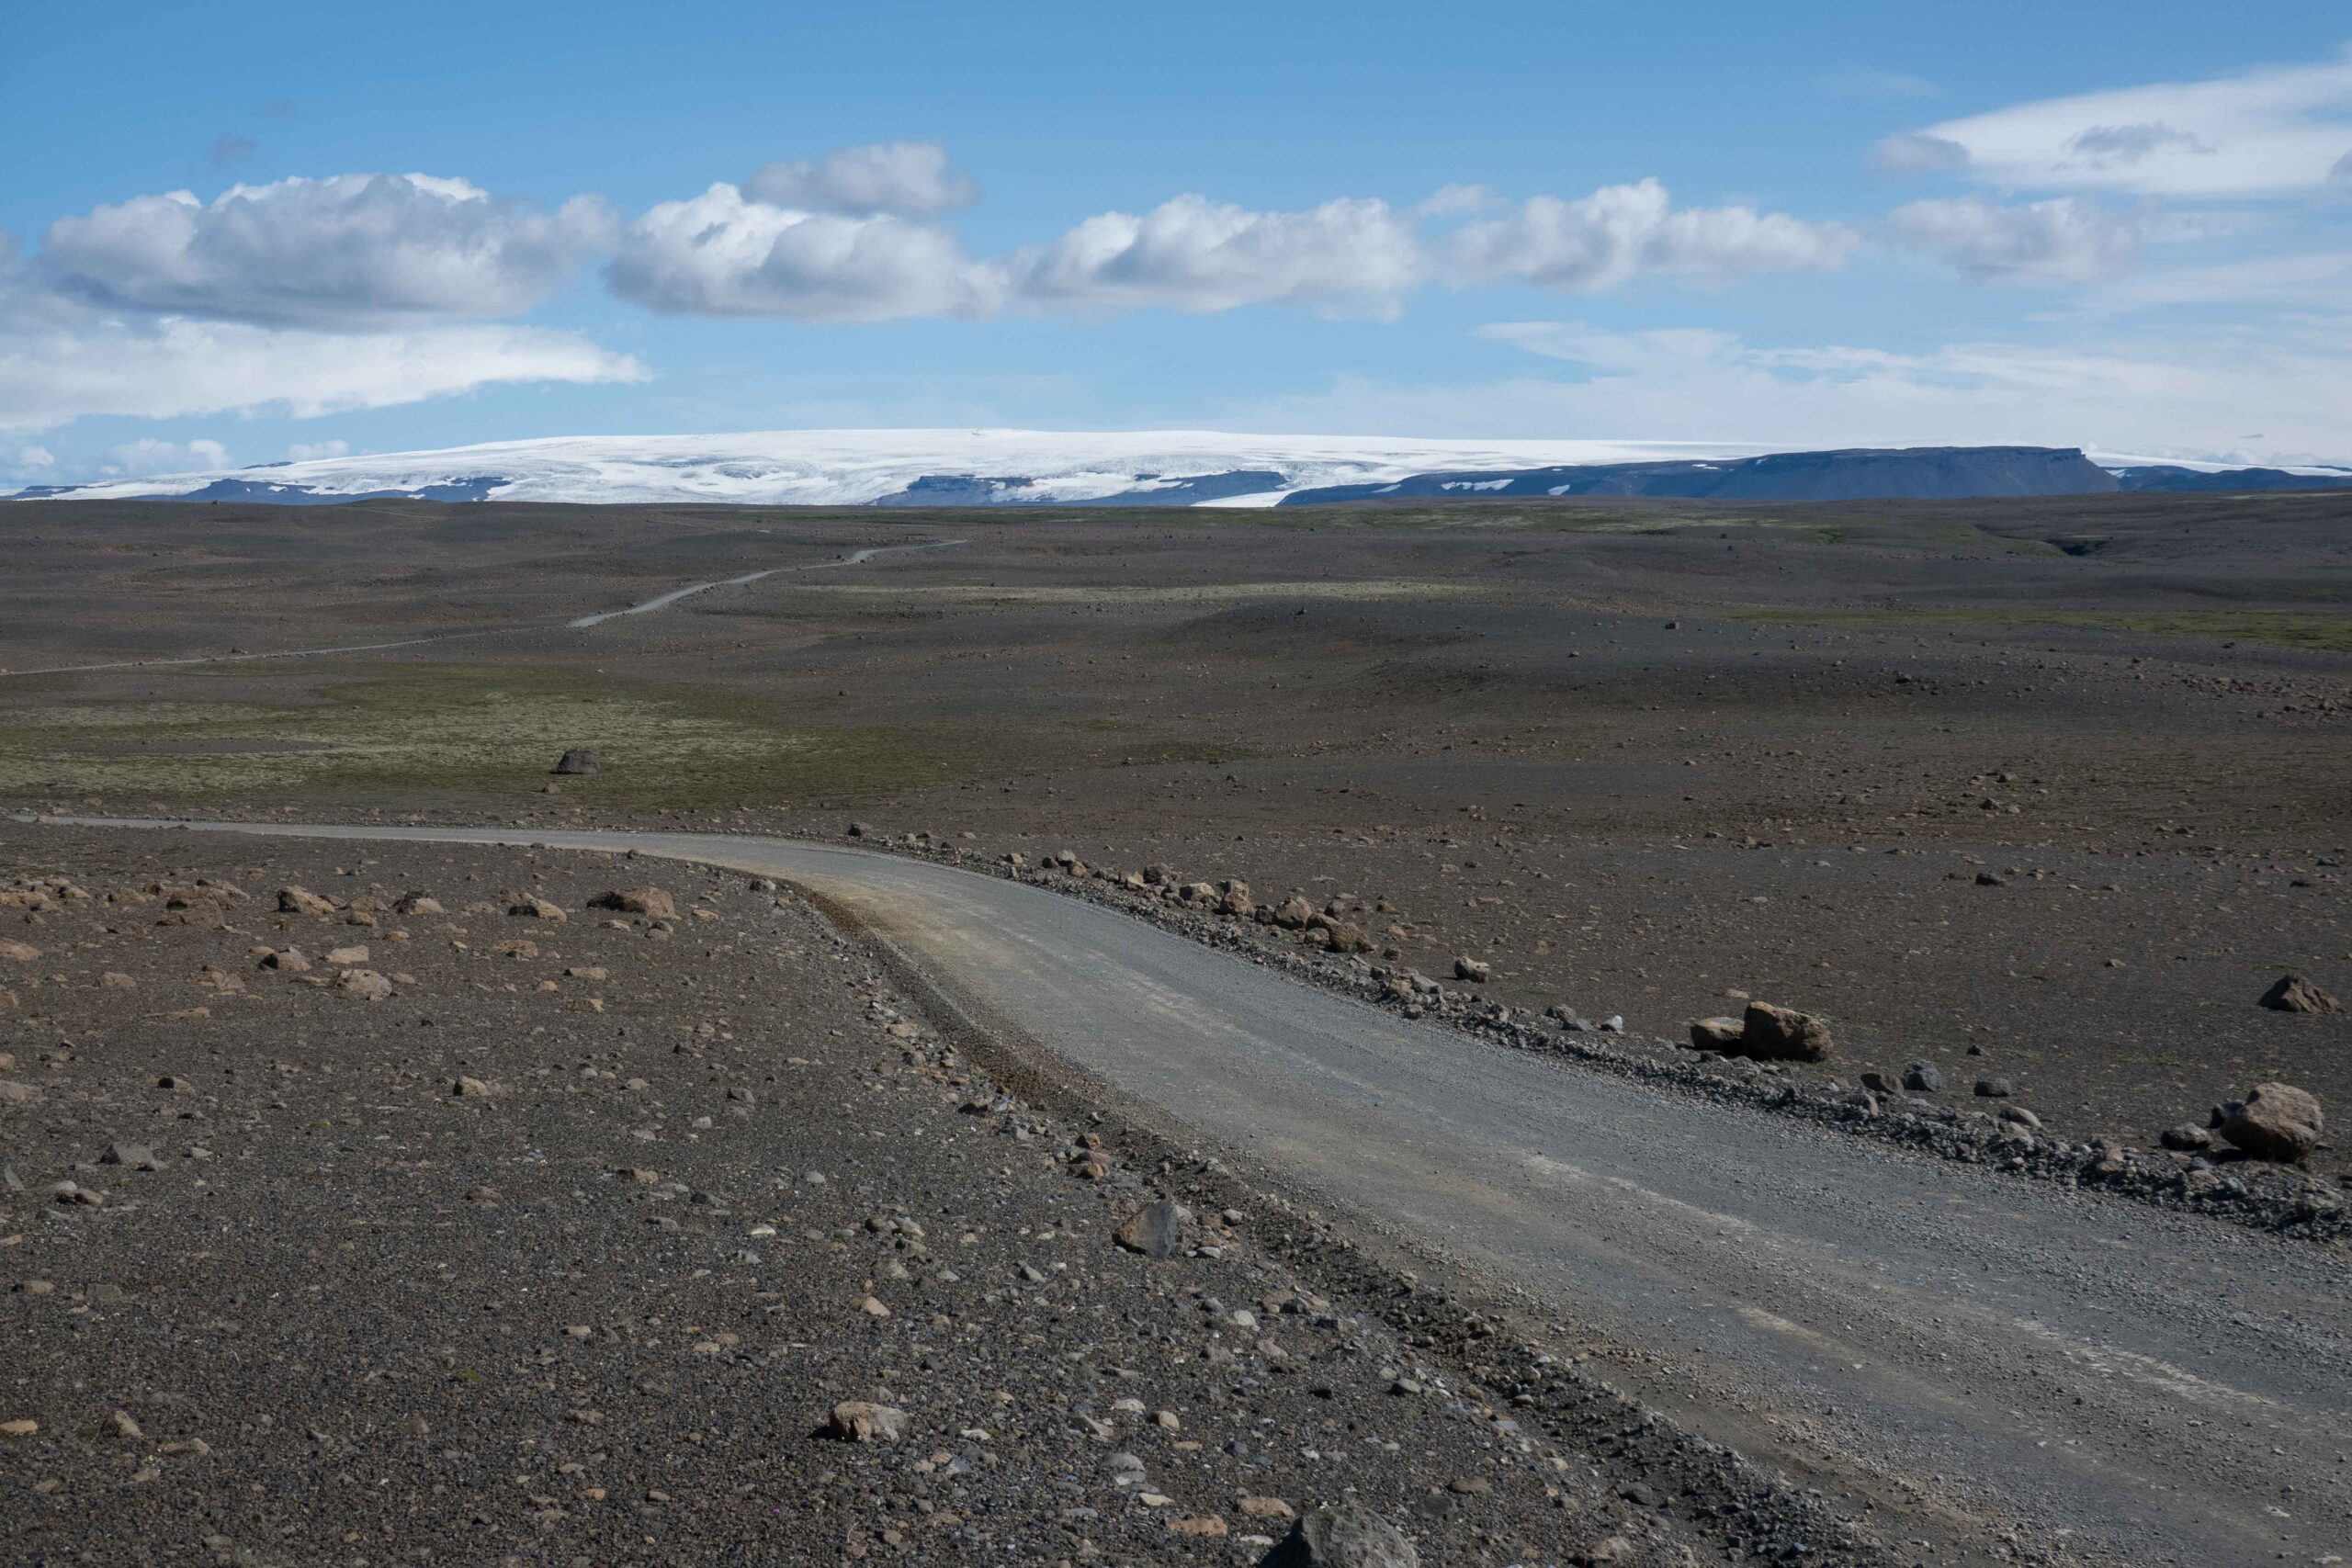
2043, 794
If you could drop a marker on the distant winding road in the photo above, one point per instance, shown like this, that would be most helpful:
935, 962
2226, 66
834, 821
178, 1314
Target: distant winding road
660, 601
1968, 1349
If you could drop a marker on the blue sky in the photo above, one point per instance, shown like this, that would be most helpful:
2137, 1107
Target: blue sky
2109, 225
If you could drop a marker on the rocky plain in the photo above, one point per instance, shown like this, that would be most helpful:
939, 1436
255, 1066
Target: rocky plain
503, 1226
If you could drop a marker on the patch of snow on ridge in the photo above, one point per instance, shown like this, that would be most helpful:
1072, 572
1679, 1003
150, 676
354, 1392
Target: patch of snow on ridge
851, 467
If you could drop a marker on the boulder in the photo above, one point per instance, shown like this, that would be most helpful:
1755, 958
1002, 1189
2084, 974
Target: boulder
533, 908
1995, 1088
1716, 1034
2274, 1121
302, 901
2292, 993
651, 902
418, 904
1474, 970
1783, 1034
579, 761
1341, 1535
365, 984
1293, 913
1921, 1078
1346, 936
862, 1421
1157, 1230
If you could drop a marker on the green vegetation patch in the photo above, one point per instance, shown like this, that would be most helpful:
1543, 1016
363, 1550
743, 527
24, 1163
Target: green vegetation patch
2325, 630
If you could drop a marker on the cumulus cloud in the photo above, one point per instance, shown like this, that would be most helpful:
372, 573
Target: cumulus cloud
2066, 239
1194, 255
910, 179
2261, 133
52, 374
1621, 232
308, 451
722, 254
149, 455
349, 250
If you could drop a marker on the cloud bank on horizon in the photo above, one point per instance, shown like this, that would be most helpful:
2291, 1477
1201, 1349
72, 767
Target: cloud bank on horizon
2170, 259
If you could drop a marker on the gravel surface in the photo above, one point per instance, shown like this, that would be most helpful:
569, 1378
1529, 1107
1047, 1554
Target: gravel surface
568, 1249
1919, 1337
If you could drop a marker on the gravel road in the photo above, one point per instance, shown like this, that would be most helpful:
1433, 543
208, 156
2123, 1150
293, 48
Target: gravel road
1954, 1348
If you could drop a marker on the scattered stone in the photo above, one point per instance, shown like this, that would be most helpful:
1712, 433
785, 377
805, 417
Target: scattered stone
1716, 1034
18, 1428
1255, 1508
580, 761
14, 1093
420, 905
471, 1088
2019, 1116
138, 1156
115, 980
2292, 993
862, 1421
2274, 1121
2186, 1138
651, 902
1474, 970
365, 984
1783, 1034
1341, 1535
1157, 1230
289, 960
344, 957
1922, 1077
19, 951
302, 901
1995, 1088
532, 907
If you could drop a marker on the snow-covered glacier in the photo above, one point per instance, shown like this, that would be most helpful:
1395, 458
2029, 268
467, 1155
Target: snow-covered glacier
1168, 467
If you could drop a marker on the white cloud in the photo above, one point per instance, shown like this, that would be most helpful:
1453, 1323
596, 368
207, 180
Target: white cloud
52, 374
1194, 255
719, 255
2193, 395
29, 458
2261, 133
1623, 231
149, 455
345, 251
2066, 239
2311, 279
307, 451
909, 178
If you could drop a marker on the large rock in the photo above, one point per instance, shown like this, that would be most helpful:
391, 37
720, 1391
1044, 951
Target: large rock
862, 1421
2294, 993
1157, 1232
580, 761
1294, 913
1341, 1535
1474, 970
651, 902
302, 901
1716, 1034
2274, 1121
1783, 1034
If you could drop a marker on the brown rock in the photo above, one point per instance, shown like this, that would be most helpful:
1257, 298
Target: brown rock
418, 904
2274, 1121
1716, 1034
535, 908
302, 901
651, 902
2292, 993
21, 952
862, 1421
1783, 1034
